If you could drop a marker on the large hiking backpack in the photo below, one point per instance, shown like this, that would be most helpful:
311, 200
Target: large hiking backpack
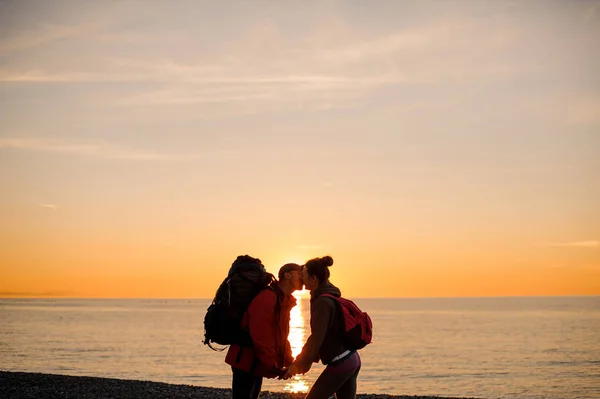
356, 325
222, 323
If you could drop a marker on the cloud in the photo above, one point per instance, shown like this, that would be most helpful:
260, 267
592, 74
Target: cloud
96, 150
40, 35
358, 65
39, 76
222, 87
317, 90
263, 66
49, 206
171, 71
258, 69
406, 56
582, 244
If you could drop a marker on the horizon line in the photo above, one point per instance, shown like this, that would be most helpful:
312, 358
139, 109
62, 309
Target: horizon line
357, 297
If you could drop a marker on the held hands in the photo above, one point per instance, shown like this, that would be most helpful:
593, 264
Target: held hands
282, 373
289, 372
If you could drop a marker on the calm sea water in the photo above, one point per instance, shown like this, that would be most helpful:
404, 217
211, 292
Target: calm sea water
481, 347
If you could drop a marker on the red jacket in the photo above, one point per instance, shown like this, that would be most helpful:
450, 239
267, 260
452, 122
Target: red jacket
271, 349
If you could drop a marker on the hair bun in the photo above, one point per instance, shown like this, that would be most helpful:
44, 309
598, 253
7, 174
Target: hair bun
327, 261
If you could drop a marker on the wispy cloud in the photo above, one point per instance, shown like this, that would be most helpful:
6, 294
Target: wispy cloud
264, 66
230, 91
39, 35
316, 90
262, 73
27, 75
171, 71
303, 73
49, 206
582, 244
97, 150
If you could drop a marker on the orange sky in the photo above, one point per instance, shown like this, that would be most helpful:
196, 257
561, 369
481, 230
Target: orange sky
433, 149
85, 261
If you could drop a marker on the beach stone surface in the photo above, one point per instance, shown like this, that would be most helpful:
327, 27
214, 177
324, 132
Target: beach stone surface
19, 385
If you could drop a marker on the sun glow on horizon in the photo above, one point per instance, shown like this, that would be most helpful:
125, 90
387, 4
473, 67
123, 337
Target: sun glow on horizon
302, 294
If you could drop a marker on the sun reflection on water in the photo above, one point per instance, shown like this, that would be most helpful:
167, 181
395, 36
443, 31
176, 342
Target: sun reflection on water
297, 339
296, 384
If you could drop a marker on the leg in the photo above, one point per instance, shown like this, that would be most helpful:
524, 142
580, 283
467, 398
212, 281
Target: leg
339, 379
348, 389
331, 381
244, 385
324, 386
256, 386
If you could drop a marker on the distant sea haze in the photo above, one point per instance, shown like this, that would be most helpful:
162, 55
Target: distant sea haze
526, 347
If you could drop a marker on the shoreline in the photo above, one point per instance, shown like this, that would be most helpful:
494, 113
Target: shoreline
23, 385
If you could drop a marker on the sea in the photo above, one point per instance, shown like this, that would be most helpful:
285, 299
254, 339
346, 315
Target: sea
503, 347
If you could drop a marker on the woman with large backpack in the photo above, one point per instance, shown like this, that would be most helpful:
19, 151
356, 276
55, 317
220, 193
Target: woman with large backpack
326, 341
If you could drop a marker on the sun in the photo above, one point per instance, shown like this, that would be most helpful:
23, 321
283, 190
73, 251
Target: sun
302, 294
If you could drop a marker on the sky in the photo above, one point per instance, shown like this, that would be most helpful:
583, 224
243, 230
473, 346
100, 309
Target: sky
432, 148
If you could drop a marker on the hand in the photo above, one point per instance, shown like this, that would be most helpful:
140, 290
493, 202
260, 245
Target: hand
291, 371
282, 373
288, 374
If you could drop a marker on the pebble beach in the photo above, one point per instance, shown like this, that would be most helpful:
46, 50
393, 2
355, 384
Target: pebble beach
18, 385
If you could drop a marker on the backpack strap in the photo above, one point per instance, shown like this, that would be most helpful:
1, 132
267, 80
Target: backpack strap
340, 311
277, 312
328, 295
335, 298
277, 303
338, 305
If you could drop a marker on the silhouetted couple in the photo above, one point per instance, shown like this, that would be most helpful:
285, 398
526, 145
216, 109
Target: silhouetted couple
268, 321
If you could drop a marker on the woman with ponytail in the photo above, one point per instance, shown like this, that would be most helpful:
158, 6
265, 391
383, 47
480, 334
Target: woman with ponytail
325, 340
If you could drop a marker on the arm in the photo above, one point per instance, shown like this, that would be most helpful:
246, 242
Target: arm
319, 322
287, 355
261, 325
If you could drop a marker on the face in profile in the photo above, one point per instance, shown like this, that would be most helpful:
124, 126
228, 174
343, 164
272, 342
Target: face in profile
300, 278
310, 282
295, 278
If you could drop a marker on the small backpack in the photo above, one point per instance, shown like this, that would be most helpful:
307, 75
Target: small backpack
356, 325
222, 323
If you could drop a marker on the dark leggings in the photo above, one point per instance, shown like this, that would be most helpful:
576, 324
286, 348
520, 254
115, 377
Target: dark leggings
339, 379
245, 385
